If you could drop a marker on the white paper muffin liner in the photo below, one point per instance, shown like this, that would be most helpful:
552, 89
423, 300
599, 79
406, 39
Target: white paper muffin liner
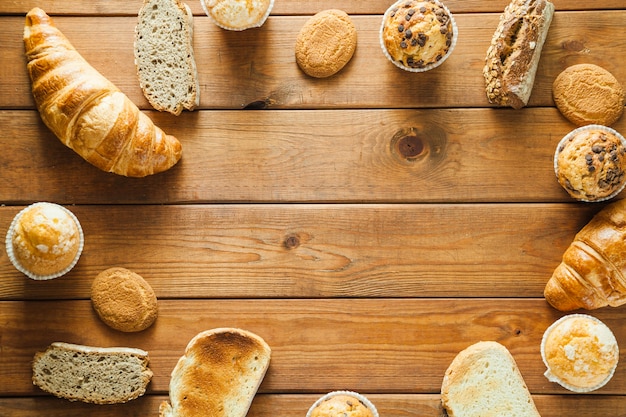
455, 35
19, 267
356, 395
238, 29
553, 378
566, 138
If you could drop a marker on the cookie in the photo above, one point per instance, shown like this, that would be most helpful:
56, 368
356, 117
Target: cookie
588, 94
326, 43
123, 300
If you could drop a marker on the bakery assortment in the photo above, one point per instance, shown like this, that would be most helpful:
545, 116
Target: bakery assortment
86, 111
591, 274
484, 380
513, 56
221, 369
588, 94
164, 56
580, 353
418, 36
44, 241
92, 374
342, 404
326, 43
238, 15
589, 163
218, 375
124, 300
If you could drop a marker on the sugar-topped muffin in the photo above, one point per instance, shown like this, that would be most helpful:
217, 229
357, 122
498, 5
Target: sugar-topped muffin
342, 404
238, 14
580, 352
589, 163
44, 241
418, 35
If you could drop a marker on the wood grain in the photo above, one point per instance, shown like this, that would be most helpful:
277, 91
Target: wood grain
368, 345
196, 251
257, 68
464, 155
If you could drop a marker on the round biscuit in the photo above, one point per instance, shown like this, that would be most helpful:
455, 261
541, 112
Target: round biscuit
123, 300
588, 94
326, 43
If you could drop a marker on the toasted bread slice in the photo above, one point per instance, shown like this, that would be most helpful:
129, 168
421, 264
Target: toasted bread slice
484, 381
218, 375
164, 56
92, 374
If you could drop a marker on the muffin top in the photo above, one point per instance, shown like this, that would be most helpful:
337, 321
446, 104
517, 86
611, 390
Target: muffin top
580, 352
417, 34
342, 405
590, 162
238, 14
45, 239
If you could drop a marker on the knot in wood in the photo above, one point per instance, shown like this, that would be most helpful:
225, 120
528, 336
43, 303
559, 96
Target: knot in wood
410, 146
291, 241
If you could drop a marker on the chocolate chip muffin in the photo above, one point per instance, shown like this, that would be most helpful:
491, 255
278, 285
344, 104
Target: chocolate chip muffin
418, 35
589, 163
238, 15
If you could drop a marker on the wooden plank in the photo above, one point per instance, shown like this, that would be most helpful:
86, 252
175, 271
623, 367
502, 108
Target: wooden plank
284, 7
372, 345
257, 68
467, 155
279, 251
296, 405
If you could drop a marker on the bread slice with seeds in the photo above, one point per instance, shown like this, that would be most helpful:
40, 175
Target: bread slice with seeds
164, 56
92, 374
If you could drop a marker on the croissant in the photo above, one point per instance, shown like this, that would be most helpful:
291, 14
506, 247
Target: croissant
592, 273
86, 111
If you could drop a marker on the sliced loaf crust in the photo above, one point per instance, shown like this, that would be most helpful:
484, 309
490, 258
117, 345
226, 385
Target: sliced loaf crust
218, 375
484, 381
92, 374
164, 57
513, 56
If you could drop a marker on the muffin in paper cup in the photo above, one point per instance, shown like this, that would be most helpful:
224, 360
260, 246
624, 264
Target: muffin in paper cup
418, 36
580, 353
44, 241
589, 163
342, 404
238, 15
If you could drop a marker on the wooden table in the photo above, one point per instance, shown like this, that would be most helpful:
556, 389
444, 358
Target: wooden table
298, 213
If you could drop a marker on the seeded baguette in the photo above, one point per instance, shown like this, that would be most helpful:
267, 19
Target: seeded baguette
164, 56
92, 374
513, 56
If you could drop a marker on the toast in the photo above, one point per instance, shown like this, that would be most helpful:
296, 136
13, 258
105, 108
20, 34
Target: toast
484, 380
164, 57
92, 374
218, 375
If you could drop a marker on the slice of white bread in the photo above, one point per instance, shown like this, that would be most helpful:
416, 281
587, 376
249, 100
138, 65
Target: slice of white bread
164, 57
92, 374
218, 375
484, 381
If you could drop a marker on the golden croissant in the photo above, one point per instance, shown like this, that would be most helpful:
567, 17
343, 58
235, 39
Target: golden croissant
593, 271
86, 111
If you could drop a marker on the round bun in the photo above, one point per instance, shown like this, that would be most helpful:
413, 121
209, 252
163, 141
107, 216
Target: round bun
326, 43
44, 241
237, 14
580, 352
418, 35
588, 94
589, 163
123, 300
342, 404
